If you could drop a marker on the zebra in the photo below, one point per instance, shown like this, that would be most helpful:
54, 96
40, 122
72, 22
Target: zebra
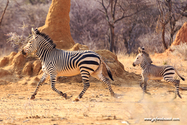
65, 63
153, 72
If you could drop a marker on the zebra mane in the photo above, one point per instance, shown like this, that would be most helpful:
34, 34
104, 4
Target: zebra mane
46, 37
147, 57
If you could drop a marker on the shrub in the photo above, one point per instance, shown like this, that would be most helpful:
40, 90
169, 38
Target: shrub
180, 50
18, 21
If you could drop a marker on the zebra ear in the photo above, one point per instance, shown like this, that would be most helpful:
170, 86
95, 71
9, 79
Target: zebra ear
139, 50
33, 32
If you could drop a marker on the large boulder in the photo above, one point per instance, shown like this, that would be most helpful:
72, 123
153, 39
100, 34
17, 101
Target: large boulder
27, 69
18, 65
121, 77
7, 59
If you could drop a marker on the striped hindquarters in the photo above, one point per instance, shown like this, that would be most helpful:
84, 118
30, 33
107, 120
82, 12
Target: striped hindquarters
168, 73
87, 61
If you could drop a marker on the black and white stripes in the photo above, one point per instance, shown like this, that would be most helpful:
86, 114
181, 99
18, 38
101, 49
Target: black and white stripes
153, 72
65, 63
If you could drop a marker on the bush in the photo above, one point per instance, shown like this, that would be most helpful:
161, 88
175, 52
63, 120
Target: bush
18, 21
180, 50
87, 24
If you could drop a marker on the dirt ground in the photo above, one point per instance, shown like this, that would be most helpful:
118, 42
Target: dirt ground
96, 107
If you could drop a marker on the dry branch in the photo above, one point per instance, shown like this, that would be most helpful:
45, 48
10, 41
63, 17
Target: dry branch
4, 12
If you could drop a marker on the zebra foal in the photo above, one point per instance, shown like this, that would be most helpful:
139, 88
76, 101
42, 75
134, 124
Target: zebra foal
153, 72
65, 63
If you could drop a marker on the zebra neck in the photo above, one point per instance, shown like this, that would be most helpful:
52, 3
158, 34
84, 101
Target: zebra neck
144, 64
42, 53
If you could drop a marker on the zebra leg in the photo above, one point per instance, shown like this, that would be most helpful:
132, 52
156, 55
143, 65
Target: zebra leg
98, 75
85, 74
53, 80
177, 82
86, 86
145, 88
144, 79
38, 86
107, 82
141, 85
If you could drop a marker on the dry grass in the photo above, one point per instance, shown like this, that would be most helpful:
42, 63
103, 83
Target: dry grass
180, 51
127, 61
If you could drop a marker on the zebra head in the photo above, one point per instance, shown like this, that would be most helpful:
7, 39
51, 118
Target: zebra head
142, 57
32, 44
38, 41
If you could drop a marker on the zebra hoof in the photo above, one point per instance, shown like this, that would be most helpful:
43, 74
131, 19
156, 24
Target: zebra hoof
32, 97
147, 92
65, 95
141, 85
174, 97
76, 100
179, 95
116, 95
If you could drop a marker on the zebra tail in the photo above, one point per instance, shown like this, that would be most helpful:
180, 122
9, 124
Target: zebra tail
108, 70
179, 75
182, 78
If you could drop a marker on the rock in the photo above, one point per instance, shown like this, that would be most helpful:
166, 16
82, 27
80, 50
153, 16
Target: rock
37, 66
18, 61
33, 81
180, 38
11, 56
181, 35
4, 61
117, 69
4, 82
78, 46
7, 59
4, 72
57, 24
111, 60
27, 69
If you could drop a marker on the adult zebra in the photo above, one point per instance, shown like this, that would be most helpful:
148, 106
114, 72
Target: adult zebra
65, 63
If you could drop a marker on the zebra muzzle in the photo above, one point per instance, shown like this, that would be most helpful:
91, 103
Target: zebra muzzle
23, 52
133, 64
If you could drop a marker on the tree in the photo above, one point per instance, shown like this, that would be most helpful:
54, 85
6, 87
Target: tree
33, 2
115, 11
170, 12
87, 23
4, 12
